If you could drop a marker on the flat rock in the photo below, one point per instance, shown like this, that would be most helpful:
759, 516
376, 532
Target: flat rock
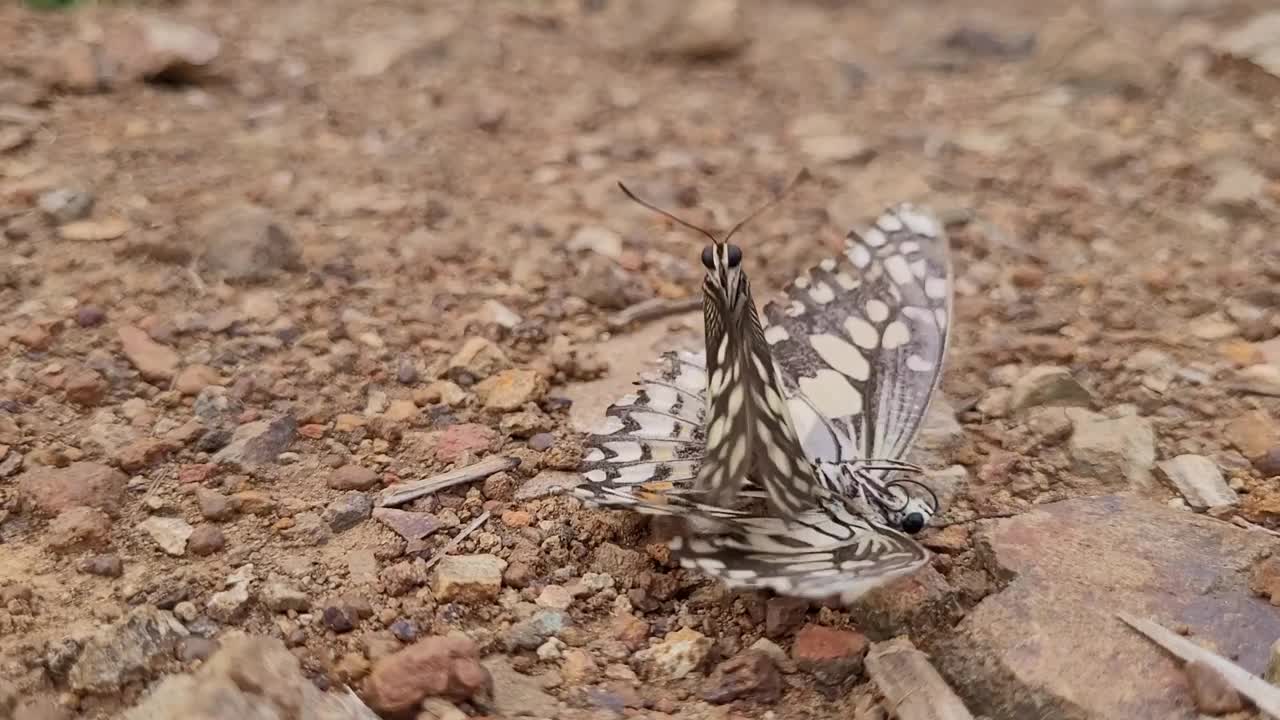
1049, 645
467, 578
170, 533
1199, 481
245, 244
1048, 385
51, 490
517, 695
679, 653
1116, 451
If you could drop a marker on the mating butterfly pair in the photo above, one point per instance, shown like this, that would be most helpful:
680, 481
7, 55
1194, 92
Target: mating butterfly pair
807, 412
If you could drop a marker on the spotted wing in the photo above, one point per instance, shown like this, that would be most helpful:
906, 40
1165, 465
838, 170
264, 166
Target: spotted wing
651, 441
749, 432
860, 339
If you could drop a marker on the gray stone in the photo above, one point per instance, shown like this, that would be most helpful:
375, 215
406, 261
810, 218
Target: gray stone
348, 510
65, 205
408, 525
1113, 450
280, 596
1048, 385
258, 443
1049, 644
230, 604
547, 482
133, 649
245, 244
528, 634
1199, 480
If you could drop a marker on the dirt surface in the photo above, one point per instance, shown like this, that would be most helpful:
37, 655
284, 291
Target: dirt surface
264, 262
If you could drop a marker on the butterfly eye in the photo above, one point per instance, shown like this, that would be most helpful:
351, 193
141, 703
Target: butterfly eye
735, 256
913, 523
709, 257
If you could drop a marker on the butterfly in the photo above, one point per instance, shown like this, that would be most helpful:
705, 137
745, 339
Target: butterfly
807, 408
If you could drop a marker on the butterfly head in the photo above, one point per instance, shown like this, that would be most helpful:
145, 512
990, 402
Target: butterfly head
723, 263
906, 504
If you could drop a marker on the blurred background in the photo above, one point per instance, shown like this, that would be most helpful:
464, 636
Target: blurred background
259, 260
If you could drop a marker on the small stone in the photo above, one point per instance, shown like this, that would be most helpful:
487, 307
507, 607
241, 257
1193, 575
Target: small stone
547, 482
678, 654
542, 441
245, 244
193, 379
153, 361
551, 650
87, 388
340, 618
206, 540
499, 486
170, 533
406, 631
478, 358
837, 149
630, 630
78, 528
51, 490
511, 389
213, 504
467, 578
94, 230
749, 675
578, 667
516, 695
308, 528
1199, 481
531, 632
600, 240
411, 526
108, 565
1254, 434
230, 604
555, 597
441, 391
831, 655
194, 648
1113, 449
516, 518
783, 615
66, 205
352, 477
1211, 692
348, 510
279, 596
447, 667
90, 316
1048, 385
258, 443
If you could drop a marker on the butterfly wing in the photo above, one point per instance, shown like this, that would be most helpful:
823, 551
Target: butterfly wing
860, 339
749, 432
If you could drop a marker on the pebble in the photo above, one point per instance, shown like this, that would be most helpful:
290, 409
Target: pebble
258, 443
206, 540
441, 391
499, 486
837, 149
352, 477
340, 618
1199, 481
833, 656
411, 526
125, 651
94, 230
107, 565
1048, 385
516, 694
749, 675
65, 205
279, 596
155, 362
447, 667
245, 244
170, 533
578, 667
531, 632
1254, 434
193, 648
630, 630
478, 358
1112, 449
783, 615
511, 389
599, 240
87, 388
90, 316
1211, 692
678, 654
193, 379
213, 505
555, 597
229, 605
406, 631
467, 578
348, 510
542, 441
551, 650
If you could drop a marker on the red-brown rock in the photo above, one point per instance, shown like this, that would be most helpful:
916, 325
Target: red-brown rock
831, 655
49, 490
446, 667
749, 675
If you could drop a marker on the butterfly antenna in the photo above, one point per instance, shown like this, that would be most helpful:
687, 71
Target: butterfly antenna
800, 176
665, 214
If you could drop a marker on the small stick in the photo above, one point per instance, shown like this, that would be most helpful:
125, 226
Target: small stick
405, 492
457, 539
652, 309
1263, 694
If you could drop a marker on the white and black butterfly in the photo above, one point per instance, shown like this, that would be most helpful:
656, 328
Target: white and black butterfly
810, 412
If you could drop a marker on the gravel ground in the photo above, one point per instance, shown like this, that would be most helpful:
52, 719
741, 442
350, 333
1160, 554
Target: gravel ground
263, 261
